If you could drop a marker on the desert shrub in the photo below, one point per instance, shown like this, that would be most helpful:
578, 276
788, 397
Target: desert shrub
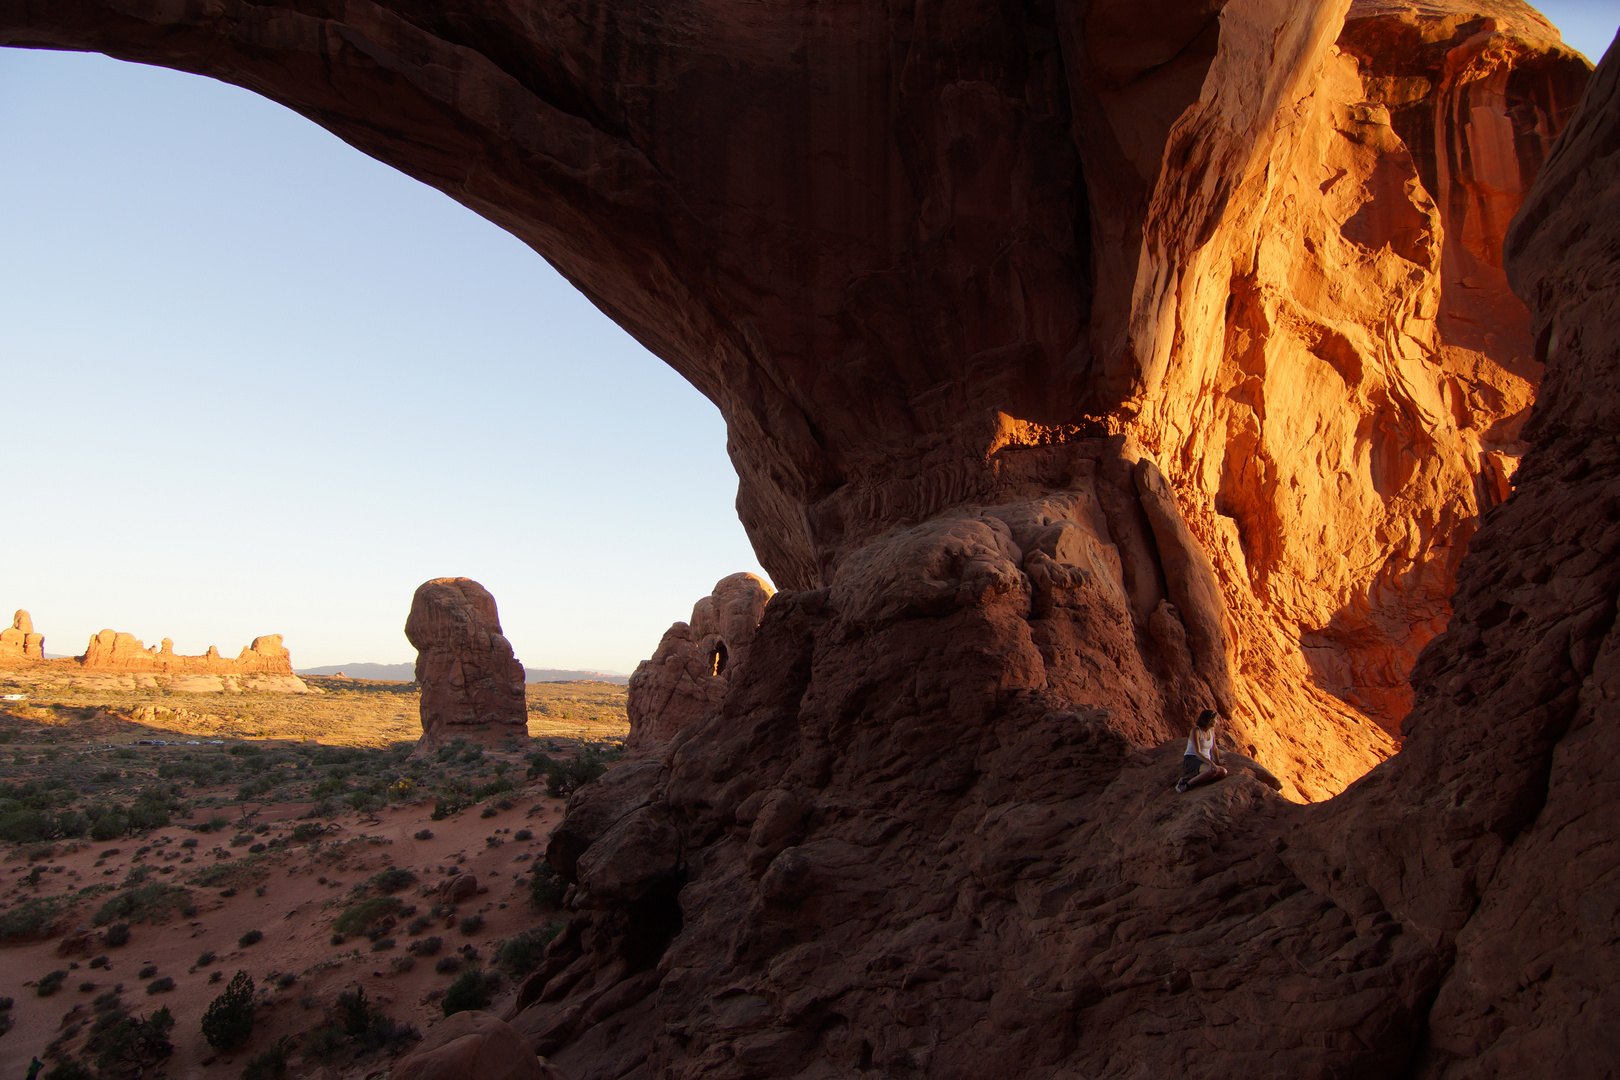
307, 831
546, 887
381, 944
424, 834
6, 1004
142, 903
285, 980
356, 918
472, 989
146, 972
493, 841
189, 842
523, 834
256, 849
328, 787
133, 1045
391, 880
470, 924
68, 1069
418, 924
241, 838
86, 986
488, 812
109, 826
50, 984
425, 947
252, 937
160, 986
270, 1065
28, 919
517, 956
447, 964
228, 1020
206, 958
99, 962
403, 964
117, 934
564, 777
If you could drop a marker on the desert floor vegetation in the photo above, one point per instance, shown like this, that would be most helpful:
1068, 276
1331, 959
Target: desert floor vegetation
153, 845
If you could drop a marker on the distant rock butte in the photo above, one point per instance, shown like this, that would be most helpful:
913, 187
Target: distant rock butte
690, 671
465, 669
19, 642
112, 651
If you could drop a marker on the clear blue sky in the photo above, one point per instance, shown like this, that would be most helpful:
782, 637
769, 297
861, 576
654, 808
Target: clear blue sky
255, 382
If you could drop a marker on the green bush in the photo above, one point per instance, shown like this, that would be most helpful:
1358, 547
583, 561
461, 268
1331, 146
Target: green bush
68, 1069
447, 964
426, 947
470, 924
546, 887
307, 831
520, 955
252, 937
424, 834
133, 1045
391, 880
28, 919
356, 918
472, 989
270, 1065
50, 984
142, 903
117, 934
160, 986
228, 1020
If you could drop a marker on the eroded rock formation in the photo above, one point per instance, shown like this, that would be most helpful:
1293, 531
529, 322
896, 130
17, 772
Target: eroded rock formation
110, 650
880, 240
937, 895
691, 668
471, 684
19, 642
991, 295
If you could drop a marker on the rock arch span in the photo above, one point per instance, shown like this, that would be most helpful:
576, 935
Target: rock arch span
953, 272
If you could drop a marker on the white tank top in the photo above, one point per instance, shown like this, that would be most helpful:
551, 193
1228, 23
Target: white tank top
1201, 743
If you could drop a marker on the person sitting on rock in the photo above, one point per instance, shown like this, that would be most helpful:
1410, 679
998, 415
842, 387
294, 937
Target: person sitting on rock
1202, 763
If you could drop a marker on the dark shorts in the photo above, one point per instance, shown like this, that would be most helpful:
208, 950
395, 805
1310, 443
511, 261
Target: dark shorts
1191, 766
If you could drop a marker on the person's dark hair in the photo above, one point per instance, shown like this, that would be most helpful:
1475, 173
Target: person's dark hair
1206, 718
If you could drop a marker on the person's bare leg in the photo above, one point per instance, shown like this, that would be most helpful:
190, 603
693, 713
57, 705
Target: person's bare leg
1208, 775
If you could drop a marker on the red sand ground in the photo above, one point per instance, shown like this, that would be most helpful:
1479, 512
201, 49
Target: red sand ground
295, 914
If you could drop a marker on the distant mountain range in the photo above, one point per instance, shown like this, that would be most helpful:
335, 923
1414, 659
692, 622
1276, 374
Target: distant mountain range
407, 672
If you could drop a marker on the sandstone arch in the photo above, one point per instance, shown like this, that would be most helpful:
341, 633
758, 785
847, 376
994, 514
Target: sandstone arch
948, 269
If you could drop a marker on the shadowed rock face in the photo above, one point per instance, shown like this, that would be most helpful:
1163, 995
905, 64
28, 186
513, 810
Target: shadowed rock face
688, 675
472, 686
1083, 366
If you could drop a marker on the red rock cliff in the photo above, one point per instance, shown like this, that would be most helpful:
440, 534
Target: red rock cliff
1084, 365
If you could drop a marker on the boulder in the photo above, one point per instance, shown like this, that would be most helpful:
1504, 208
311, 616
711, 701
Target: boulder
693, 664
456, 889
471, 684
473, 1045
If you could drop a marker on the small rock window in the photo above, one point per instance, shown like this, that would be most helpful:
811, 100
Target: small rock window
718, 660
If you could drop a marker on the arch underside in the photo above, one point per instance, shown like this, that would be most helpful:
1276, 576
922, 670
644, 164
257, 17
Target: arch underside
1083, 366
